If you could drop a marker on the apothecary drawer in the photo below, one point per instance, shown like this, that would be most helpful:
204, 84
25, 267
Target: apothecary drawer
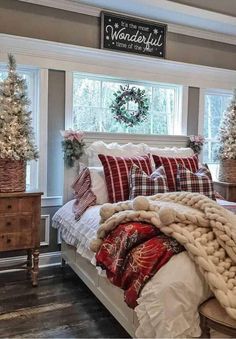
18, 223
9, 205
15, 241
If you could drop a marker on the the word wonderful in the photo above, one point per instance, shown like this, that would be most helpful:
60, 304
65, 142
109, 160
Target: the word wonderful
131, 35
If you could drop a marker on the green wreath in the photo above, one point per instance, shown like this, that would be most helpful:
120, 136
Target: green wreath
119, 105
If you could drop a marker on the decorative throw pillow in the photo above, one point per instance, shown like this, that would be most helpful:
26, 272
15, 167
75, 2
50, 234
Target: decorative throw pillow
142, 184
82, 183
200, 181
116, 171
83, 193
114, 149
80, 205
170, 166
98, 184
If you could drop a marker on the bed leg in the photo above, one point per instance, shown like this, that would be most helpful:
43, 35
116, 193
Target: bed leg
63, 263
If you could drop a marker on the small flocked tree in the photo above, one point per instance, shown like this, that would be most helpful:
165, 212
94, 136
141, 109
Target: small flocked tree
16, 134
227, 148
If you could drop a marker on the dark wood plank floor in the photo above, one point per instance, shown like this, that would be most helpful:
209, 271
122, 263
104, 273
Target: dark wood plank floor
60, 307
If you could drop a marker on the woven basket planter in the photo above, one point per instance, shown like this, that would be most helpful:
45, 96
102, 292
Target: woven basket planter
227, 170
12, 175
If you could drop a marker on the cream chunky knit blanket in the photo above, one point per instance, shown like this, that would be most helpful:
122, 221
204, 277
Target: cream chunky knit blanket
205, 229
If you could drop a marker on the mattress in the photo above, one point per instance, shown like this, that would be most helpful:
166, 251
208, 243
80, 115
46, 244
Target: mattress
168, 303
78, 233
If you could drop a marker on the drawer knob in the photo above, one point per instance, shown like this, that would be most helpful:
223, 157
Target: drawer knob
8, 241
9, 206
8, 223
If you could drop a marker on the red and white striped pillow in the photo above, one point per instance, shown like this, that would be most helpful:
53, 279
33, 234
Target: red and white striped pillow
199, 182
116, 171
170, 166
83, 193
142, 184
82, 183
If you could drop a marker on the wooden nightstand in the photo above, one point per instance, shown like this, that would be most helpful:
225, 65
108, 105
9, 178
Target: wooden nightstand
226, 189
19, 227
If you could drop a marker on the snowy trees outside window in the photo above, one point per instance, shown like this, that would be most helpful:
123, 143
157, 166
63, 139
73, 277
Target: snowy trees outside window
92, 98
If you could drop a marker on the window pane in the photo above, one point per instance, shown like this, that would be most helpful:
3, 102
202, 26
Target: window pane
93, 96
216, 104
210, 152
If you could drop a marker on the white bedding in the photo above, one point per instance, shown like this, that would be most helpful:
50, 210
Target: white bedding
168, 303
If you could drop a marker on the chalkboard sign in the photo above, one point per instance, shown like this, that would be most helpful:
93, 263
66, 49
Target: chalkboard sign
128, 34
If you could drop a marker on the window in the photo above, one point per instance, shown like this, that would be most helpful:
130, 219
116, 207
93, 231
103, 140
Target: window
92, 97
31, 77
216, 102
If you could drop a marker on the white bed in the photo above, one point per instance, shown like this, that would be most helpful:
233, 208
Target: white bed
169, 301
168, 304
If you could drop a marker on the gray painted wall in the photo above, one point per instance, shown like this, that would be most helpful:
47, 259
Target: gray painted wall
193, 108
56, 122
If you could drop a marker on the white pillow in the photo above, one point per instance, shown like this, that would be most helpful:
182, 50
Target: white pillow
174, 152
98, 184
100, 147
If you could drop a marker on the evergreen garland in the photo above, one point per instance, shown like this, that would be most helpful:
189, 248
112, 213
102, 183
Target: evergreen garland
72, 146
119, 105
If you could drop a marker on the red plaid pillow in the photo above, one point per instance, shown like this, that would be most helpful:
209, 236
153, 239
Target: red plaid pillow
116, 171
199, 182
83, 193
142, 184
170, 166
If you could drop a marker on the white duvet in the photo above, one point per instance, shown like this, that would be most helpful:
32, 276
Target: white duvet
168, 303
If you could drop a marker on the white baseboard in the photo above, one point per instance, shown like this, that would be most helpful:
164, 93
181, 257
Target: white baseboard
45, 259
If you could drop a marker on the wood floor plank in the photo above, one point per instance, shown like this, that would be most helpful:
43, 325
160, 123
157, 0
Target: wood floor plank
60, 307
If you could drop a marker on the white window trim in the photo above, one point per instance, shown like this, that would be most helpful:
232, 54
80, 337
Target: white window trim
180, 124
43, 130
203, 91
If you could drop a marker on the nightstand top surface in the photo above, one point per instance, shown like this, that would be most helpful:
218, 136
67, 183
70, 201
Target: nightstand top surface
20, 194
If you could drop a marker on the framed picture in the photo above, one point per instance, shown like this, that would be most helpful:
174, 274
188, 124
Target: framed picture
127, 34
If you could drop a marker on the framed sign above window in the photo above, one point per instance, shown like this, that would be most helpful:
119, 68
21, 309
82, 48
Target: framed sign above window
132, 35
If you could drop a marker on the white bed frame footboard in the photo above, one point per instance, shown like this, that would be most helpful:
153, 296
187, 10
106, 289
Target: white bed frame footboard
110, 296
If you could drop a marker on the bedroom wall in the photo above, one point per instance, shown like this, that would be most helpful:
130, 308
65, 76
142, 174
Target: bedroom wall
28, 20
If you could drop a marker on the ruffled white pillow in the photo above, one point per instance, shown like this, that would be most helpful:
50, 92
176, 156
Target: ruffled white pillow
114, 149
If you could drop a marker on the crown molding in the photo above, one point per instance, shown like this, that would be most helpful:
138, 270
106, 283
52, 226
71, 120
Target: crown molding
60, 56
67, 5
203, 24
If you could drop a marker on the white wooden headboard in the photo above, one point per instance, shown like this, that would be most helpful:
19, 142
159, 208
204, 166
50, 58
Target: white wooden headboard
121, 138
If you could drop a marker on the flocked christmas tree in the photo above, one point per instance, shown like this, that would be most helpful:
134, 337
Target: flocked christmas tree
227, 148
16, 134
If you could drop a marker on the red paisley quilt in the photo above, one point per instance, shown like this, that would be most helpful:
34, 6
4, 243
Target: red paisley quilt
132, 253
